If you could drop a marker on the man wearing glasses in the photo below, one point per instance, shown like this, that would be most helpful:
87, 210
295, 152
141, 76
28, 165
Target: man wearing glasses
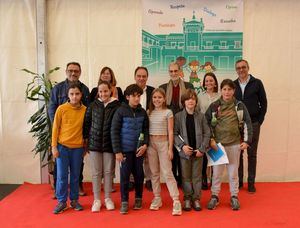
174, 89
59, 96
251, 92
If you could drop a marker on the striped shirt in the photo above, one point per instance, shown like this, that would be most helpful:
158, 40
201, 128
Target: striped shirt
158, 121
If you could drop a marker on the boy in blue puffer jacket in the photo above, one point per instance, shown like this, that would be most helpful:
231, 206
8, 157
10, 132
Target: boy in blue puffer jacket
130, 137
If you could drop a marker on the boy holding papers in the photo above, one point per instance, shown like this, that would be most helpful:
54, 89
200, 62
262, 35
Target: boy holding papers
231, 125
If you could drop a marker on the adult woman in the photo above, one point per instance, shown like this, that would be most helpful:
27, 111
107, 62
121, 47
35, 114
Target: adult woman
106, 74
210, 84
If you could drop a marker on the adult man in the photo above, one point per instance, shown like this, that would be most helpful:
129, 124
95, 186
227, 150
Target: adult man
251, 92
174, 89
59, 96
141, 77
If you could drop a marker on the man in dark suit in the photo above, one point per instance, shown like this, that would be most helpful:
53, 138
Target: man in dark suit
174, 89
141, 77
251, 92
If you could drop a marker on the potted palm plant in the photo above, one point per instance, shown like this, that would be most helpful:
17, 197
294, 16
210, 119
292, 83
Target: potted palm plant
38, 90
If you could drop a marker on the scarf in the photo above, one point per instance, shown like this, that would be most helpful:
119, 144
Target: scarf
169, 91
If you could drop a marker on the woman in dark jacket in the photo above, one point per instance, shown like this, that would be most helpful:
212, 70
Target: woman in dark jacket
97, 125
107, 74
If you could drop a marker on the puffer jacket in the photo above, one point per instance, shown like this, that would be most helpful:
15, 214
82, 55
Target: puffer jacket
97, 124
127, 124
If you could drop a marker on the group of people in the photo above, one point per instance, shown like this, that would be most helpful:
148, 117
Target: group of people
153, 132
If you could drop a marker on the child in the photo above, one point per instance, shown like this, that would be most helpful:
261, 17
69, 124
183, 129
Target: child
130, 136
97, 124
192, 135
67, 147
160, 151
227, 117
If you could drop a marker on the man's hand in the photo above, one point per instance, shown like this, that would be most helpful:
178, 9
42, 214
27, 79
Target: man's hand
141, 150
55, 152
187, 150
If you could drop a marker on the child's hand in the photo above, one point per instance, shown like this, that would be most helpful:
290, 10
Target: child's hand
141, 150
199, 153
170, 154
187, 150
119, 157
55, 152
244, 146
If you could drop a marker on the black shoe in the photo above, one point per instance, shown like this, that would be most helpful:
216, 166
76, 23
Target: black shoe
196, 205
124, 208
187, 205
148, 185
131, 186
204, 184
251, 188
241, 185
137, 204
213, 202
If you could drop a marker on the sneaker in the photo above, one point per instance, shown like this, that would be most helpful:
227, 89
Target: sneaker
109, 204
156, 204
187, 205
251, 188
176, 208
137, 204
75, 205
60, 208
213, 202
124, 208
81, 191
234, 202
96, 206
148, 185
197, 205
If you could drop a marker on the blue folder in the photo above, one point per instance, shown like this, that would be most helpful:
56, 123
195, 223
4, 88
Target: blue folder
215, 154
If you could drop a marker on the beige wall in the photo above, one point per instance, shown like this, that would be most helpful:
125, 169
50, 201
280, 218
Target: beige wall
99, 33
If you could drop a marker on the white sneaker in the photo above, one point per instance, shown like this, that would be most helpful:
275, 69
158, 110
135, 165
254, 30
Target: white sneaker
176, 208
156, 204
109, 204
96, 206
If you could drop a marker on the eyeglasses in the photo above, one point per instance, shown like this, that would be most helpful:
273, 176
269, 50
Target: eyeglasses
240, 68
173, 71
73, 71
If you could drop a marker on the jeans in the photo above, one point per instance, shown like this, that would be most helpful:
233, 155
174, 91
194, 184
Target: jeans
69, 159
134, 165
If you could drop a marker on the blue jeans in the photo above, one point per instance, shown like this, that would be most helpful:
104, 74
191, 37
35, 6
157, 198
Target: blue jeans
69, 158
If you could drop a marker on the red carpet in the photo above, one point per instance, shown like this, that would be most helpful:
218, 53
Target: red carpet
274, 205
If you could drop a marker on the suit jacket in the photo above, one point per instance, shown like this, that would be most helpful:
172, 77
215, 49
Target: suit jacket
149, 91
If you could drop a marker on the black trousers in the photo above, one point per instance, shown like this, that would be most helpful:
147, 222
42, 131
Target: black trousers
252, 156
134, 165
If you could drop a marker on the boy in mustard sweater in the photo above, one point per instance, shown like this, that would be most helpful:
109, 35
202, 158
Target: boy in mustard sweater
68, 147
